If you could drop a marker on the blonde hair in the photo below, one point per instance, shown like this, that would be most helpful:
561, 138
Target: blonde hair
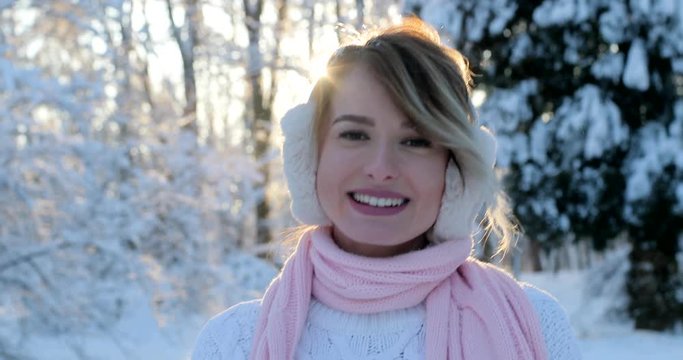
431, 84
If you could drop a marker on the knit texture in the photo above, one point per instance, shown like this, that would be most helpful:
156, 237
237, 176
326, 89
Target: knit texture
464, 194
473, 311
336, 335
298, 153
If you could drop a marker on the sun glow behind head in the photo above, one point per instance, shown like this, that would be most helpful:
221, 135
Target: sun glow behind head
318, 67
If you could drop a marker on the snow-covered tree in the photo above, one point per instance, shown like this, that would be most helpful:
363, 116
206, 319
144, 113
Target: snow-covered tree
101, 189
584, 98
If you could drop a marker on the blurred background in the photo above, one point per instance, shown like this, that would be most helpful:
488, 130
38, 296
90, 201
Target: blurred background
141, 189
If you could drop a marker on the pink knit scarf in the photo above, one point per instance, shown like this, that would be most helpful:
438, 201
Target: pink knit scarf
473, 310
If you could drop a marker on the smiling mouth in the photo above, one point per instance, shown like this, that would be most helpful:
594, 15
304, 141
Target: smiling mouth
379, 202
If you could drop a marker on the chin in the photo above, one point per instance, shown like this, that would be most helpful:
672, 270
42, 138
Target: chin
378, 237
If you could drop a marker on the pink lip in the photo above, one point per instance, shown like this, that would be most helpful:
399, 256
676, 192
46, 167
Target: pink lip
377, 211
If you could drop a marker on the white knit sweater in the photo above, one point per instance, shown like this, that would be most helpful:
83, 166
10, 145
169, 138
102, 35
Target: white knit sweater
335, 335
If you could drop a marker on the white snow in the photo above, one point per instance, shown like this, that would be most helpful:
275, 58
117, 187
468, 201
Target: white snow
641, 6
503, 13
554, 12
589, 297
590, 114
677, 65
586, 295
521, 48
636, 345
137, 335
614, 22
636, 74
656, 147
609, 66
539, 139
678, 208
558, 12
487, 16
140, 331
504, 111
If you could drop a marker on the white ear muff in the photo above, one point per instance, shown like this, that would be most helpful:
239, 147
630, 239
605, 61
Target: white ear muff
461, 203
298, 152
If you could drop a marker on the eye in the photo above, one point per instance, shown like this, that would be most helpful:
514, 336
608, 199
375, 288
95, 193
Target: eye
353, 135
418, 143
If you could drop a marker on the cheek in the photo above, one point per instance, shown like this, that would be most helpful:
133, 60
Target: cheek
336, 160
321, 173
326, 167
322, 185
430, 175
332, 169
432, 168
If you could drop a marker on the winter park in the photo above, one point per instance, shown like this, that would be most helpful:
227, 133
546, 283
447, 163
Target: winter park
144, 188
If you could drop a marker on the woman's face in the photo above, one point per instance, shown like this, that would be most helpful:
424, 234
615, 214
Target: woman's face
379, 181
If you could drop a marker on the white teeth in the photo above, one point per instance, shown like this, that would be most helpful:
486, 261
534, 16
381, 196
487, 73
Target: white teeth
378, 202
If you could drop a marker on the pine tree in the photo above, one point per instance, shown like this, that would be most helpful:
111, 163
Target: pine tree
585, 99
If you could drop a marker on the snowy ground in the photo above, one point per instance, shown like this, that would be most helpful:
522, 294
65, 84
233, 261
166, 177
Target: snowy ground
600, 336
137, 335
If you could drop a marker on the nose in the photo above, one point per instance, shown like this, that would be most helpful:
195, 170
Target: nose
382, 164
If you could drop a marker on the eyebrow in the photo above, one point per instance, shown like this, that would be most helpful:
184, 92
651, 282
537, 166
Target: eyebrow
368, 121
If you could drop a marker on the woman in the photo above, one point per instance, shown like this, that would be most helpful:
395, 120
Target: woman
388, 163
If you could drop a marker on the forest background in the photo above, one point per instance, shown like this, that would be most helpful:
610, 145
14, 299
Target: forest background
141, 185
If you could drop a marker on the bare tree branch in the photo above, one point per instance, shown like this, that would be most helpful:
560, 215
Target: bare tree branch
32, 254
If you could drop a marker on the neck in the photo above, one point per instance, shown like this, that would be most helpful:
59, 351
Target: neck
370, 250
